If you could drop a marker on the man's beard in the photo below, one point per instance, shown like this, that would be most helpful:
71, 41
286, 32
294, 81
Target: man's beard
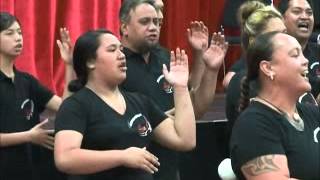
145, 47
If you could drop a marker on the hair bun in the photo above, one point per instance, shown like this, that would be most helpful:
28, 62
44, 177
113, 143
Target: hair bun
246, 9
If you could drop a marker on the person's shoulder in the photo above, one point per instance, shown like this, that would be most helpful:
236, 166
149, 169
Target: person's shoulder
24, 75
235, 82
160, 51
312, 51
309, 109
256, 113
84, 95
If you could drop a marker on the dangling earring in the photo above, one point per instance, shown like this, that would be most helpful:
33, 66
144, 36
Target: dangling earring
271, 77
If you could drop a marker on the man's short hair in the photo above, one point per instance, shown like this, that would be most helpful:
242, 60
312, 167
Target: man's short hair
128, 5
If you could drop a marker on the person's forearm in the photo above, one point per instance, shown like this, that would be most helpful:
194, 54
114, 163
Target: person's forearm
197, 70
11, 139
82, 161
204, 95
184, 118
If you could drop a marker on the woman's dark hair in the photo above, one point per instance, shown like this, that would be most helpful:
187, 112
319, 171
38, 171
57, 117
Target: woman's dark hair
6, 20
85, 51
261, 49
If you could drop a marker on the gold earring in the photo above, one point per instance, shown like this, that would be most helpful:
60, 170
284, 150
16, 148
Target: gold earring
271, 77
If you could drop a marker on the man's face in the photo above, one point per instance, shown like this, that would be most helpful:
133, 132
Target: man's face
299, 19
142, 30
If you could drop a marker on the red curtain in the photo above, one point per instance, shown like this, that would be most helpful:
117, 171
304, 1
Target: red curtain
178, 15
41, 20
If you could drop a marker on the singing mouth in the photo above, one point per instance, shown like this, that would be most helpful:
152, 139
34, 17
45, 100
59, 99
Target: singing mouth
304, 74
18, 46
304, 26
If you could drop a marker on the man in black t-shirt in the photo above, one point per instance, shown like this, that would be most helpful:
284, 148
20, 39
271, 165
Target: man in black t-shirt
140, 36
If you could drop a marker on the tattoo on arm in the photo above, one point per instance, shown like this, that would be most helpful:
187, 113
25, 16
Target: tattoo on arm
260, 165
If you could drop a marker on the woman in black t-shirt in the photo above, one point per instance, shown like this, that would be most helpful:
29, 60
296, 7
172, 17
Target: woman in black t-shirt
275, 138
102, 132
25, 145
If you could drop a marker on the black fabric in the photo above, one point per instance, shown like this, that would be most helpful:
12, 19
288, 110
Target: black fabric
239, 65
233, 96
262, 131
105, 129
21, 102
149, 80
312, 53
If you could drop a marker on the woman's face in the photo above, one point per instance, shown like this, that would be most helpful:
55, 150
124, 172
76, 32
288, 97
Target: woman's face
11, 41
289, 65
110, 63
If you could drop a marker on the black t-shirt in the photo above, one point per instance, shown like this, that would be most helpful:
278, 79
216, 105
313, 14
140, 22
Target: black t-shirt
21, 102
233, 96
239, 65
312, 53
105, 129
148, 79
262, 131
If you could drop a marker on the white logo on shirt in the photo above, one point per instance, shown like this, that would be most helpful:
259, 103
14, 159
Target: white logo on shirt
27, 108
315, 134
140, 123
164, 84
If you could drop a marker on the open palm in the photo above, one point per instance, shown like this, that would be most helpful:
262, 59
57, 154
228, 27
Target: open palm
198, 36
179, 71
65, 46
215, 54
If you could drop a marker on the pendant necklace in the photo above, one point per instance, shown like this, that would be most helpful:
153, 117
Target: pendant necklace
296, 121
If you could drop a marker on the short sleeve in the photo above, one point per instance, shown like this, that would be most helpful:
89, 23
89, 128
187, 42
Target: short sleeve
41, 94
254, 135
72, 115
156, 115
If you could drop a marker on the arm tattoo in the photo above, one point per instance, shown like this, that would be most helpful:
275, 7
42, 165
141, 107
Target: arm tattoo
260, 165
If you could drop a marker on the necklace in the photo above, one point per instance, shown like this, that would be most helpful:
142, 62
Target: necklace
296, 121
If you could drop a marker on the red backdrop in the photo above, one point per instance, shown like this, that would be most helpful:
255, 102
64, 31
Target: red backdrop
41, 20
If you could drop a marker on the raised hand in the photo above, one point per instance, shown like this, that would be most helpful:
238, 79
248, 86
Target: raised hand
141, 158
215, 54
42, 136
179, 71
198, 36
65, 46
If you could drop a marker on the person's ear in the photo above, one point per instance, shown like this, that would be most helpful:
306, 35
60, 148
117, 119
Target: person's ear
266, 67
124, 29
